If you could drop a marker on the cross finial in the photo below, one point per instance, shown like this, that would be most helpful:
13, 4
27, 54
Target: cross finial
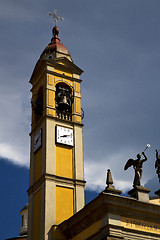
55, 16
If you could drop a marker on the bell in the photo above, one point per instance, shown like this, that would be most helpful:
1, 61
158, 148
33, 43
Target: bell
63, 103
63, 99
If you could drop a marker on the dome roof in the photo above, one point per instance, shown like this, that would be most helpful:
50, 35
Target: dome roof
25, 207
55, 48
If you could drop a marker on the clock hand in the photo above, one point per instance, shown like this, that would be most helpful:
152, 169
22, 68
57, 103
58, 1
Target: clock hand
65, 136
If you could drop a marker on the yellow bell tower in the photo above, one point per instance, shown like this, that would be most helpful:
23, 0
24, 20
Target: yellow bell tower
56, 188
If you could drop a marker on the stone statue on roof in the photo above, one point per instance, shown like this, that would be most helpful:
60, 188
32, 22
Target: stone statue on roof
137, 165
157, 164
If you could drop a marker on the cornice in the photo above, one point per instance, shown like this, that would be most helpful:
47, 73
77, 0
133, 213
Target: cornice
107, 203
57, 179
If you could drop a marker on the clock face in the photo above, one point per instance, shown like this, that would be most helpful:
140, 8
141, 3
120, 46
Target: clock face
64, 136
37, 140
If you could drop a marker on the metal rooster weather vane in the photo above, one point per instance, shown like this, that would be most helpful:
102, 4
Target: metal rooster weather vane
55, 16
137, 165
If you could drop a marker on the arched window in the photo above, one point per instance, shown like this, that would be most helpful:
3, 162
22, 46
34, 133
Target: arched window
37, 104
64, 98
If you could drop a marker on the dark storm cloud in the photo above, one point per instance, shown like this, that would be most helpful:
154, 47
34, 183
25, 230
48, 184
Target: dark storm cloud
117, 44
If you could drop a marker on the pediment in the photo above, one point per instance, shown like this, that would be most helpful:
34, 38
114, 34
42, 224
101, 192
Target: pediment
65, 63
58, 63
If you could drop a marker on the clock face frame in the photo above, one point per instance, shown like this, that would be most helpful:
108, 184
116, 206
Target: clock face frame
37, 140
64, 136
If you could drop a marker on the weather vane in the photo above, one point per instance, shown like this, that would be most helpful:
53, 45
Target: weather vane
55, 16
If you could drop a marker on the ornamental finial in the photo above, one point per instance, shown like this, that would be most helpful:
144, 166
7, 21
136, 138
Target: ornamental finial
55, 16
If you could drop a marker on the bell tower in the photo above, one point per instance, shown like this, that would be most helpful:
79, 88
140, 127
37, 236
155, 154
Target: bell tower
56, 187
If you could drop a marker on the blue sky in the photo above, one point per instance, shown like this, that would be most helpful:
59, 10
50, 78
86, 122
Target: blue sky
117, 44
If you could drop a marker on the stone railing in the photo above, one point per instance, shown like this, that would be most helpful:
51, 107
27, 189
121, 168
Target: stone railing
64, 115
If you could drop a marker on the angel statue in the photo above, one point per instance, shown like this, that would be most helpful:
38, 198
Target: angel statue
137, 165
157, 164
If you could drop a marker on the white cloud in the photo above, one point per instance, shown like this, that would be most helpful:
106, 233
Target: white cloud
123, 185
14, 123
13, 155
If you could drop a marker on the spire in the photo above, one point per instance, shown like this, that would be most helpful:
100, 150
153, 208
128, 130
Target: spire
55, 48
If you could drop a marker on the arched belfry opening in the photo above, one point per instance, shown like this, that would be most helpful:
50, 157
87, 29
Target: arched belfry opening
37, 103
64, 100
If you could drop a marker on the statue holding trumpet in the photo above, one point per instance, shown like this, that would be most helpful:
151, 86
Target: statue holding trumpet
157, 164
137, 165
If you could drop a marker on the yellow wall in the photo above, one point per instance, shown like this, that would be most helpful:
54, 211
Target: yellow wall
50, 98
50, 112
77, 87
38, 164
78, 105
64, 162
37, 215
78, 119
64, 203
50, 79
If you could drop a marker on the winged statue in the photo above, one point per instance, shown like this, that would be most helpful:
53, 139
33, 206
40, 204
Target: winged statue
157, 164
137, 165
